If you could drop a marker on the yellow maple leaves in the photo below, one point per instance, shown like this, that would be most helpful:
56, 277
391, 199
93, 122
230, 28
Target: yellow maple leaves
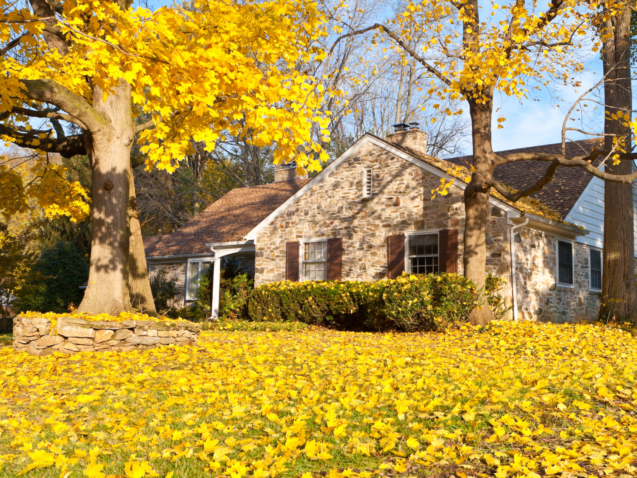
216, 68
504, 400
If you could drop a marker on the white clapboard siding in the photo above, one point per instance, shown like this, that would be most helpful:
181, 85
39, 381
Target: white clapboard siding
589, 213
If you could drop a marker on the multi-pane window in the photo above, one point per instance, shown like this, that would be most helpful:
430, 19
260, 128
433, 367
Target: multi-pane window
196, 270
368, 183
315, 260
423, 254
596, 269
565, 262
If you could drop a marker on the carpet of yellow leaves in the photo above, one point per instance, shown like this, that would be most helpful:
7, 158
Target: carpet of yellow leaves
507, 400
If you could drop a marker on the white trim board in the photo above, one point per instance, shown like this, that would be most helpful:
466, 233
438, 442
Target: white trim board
511, 211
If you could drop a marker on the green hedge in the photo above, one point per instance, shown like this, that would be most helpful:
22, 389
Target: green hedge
409, 303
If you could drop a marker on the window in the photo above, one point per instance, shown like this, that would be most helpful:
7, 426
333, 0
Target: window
196, 270
565, 262
423, 254
596, 269
368, 183
315, 260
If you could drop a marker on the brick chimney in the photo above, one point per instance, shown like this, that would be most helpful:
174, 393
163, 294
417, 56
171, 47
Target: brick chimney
287, 172
409, 136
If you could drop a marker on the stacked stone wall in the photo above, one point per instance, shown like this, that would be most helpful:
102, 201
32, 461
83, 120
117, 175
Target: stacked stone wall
39, 336
540, 297
401, 203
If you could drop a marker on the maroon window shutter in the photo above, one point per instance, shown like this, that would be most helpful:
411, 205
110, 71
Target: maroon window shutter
292, 261
335, 258
448, 250
395, 255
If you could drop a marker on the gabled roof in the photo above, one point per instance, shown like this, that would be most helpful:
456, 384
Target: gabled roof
567, 184
227, 219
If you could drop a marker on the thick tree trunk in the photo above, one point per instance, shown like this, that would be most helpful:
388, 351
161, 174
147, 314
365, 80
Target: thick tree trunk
140, 294
109, 151
477, 206
619, 296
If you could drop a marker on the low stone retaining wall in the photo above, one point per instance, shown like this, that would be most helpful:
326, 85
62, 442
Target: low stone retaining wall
69, 335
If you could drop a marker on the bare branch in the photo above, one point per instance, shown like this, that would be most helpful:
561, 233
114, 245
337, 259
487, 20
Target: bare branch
401, 43
50, 115
48, 91
67, 147
511, 196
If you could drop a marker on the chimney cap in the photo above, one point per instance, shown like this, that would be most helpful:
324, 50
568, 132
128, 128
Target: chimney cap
400, 127
414, 125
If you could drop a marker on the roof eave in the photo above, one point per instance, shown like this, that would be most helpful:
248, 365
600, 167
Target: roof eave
567, 230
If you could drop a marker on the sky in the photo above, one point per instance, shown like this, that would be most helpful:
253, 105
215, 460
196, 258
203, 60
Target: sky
533, 122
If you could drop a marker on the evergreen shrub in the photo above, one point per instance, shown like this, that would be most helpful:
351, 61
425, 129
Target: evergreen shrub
408, 303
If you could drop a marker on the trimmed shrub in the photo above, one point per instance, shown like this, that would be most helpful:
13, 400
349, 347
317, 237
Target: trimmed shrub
163, 290
409, 303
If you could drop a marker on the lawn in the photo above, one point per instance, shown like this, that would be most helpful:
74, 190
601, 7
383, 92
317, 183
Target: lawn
509, 400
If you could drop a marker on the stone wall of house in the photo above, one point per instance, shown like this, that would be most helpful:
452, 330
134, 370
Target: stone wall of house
401, 203
39, 336
172, 271
540, 297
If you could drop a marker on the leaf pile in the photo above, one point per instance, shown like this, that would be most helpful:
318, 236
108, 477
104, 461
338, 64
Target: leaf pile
510, 399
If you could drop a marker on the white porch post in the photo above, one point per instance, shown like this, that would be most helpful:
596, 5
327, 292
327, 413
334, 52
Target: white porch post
216, 277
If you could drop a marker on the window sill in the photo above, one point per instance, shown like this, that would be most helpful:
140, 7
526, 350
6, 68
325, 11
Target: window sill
565, 286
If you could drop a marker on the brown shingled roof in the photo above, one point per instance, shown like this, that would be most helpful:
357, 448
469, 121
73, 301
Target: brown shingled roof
567, 184
226, 220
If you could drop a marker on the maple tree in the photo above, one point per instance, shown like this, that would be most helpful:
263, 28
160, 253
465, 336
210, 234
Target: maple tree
519, 46
111, 72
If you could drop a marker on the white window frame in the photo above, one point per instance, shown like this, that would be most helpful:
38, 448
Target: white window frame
368, 190
590, 267
302, 257
419, 233
187, 282
557, 265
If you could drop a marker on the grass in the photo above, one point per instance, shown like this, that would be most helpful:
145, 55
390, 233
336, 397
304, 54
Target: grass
505, 400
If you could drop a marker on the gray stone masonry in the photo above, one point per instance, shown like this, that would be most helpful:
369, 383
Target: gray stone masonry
540, 296
70, 335
401, 203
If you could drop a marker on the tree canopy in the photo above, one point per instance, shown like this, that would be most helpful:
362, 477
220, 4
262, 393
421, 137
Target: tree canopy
220, 68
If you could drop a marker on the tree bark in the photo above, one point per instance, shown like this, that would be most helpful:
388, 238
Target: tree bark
619, 295
140, 293
477, 206
109, 151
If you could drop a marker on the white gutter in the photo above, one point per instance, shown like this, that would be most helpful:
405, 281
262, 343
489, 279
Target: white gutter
513, 285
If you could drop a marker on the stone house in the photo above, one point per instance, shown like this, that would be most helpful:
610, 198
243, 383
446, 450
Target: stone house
371, 215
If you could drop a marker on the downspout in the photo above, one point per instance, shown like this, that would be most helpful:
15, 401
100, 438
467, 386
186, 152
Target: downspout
513, 281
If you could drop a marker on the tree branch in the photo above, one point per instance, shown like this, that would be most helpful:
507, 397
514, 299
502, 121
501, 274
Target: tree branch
66, 147
12, 44
401, 43
48, 91
48, 114
511, 196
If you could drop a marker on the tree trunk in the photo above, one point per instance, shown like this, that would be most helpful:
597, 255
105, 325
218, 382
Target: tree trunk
140, 294
109, 151
618, 283
477, 207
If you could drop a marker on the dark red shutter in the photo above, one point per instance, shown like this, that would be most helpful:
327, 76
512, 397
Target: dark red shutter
292, 261
335, 258
395, 255
448, 250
